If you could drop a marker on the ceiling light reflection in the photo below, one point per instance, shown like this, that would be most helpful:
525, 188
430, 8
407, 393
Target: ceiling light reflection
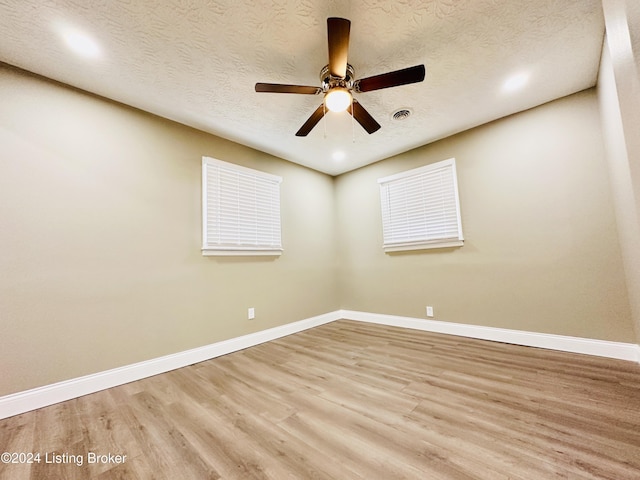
80, 43
515, 82
339, 155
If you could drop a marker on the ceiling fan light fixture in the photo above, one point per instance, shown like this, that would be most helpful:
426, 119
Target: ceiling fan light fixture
338, 81
337, 99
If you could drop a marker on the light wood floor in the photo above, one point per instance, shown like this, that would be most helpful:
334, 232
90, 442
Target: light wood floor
351, 400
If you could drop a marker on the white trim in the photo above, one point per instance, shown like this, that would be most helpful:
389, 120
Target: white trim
588, 346
424, 245
210, 252
21, 402
25, 401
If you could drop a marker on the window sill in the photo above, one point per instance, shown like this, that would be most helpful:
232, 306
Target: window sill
209, 252
423, 246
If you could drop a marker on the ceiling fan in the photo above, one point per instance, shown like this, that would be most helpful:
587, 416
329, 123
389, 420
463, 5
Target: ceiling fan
338, 82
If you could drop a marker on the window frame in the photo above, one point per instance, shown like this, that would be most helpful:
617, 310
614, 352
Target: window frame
238, 248
425, 242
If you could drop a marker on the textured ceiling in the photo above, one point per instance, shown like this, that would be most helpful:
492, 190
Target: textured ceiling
197, 61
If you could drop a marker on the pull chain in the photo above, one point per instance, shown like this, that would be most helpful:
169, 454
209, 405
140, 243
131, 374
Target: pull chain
353, 126
324, 119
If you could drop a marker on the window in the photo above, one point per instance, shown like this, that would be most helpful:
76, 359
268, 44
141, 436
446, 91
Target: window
420, 208
240, 210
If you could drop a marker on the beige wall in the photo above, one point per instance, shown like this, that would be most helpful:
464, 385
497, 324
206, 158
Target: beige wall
100, 235
541, 251
619, 94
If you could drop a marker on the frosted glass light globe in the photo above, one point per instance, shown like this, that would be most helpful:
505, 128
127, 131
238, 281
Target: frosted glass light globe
338, 99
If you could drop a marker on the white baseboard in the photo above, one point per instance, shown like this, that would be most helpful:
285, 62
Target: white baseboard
33, 399
600, 348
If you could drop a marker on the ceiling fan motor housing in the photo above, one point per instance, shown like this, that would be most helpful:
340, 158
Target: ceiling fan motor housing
328, 81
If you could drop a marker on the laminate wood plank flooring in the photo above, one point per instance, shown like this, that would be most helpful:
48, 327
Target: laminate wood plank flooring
350, 400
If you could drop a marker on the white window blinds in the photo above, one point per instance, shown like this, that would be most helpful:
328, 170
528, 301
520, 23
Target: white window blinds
240, 210
421, 209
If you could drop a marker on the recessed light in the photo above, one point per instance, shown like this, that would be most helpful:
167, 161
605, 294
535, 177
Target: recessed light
80, 43
515, 82
339, 155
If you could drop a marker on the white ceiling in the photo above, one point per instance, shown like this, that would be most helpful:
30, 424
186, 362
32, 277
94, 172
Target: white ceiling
197, 61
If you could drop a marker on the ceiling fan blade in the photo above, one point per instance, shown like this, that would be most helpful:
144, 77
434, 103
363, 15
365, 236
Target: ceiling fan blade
363, 117
392, 79
311, 122
280, 88
338, 36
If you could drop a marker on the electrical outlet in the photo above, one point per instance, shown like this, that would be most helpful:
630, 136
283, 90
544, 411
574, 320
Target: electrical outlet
251, 313
429, 311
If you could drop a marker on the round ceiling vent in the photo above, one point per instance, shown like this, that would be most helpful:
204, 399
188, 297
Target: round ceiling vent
401, 114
